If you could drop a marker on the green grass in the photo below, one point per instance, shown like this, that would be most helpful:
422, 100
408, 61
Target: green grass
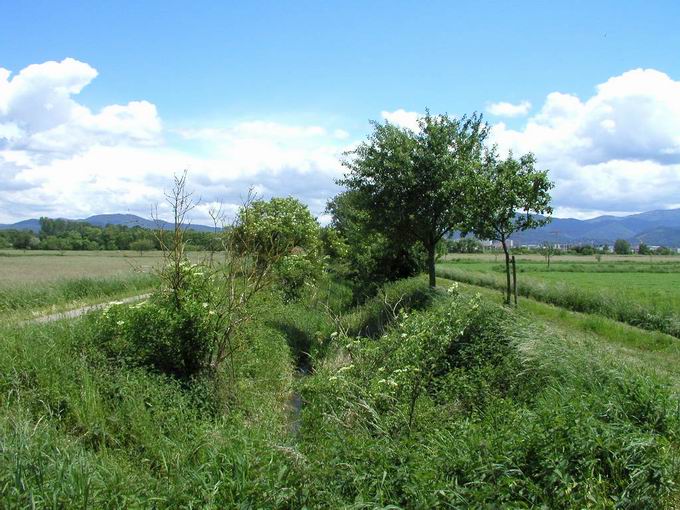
649, 282
657, 352
516, 414
36, 299
524, 409
656, 313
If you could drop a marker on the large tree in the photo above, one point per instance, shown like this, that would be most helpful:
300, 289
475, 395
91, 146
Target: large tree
507, 196
413, 184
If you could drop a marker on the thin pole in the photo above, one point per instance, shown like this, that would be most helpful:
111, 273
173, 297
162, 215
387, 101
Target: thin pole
514, 278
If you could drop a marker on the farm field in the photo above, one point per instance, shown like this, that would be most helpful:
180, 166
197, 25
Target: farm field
653, 283
36, 282
28, 267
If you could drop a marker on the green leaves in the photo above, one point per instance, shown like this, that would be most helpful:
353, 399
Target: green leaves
412, 185
510, 196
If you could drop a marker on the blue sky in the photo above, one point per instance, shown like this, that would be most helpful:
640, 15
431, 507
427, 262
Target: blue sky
297, 81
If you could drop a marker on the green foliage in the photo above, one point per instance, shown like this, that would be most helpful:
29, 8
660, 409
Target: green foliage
273, 228
371, 258
510, 196
464, 245
142, 245
66, 235
282, 232
643, 249
622, 247
174, 338
412, 185
496, 422
78, 431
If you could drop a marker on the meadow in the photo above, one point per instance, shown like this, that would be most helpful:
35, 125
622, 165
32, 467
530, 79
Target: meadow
35, 282
639, 290
412, 398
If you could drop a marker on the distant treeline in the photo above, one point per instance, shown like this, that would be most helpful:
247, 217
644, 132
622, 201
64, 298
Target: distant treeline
62, 235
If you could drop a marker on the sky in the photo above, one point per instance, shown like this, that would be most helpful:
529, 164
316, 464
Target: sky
101, 103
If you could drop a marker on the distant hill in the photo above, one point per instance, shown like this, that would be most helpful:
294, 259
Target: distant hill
101, 220
32, 224
654, 227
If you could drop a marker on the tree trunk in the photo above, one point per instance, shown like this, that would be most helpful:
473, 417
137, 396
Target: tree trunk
430, 265
507, 271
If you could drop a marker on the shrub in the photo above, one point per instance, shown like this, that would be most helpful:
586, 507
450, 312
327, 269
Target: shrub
174, 337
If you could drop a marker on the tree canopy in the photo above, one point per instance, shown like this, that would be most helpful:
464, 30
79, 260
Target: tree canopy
507, 196
412, 185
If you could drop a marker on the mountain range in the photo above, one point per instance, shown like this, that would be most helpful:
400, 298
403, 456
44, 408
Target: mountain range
655, 228
101, 220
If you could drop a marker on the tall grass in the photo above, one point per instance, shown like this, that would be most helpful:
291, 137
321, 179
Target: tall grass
608, 305
512, 417
22, 298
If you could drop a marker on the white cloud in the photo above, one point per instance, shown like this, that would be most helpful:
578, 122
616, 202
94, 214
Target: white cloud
402, 118
504, 109
59, 158
618, 150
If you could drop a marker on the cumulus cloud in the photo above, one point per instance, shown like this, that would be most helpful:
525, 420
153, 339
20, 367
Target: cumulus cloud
618, 150
402, 118
39, 115
504, 109
59, 158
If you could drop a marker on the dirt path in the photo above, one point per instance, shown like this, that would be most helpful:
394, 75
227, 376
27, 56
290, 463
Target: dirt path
77, 312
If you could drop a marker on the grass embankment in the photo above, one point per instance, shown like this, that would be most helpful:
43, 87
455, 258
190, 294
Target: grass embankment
460, 403
79, 429
469, 405
36, 299
609, 304
651, 350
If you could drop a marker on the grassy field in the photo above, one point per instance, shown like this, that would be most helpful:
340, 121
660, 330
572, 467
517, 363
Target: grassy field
36, 282
29, 267
445, 399
637, 290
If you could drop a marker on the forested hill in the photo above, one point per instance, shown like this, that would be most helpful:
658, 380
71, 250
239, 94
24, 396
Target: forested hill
102, 220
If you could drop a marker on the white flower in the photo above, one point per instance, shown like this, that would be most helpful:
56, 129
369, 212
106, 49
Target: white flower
120, 323
205, 305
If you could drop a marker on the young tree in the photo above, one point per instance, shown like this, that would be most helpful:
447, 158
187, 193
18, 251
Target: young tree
548, 250
414, 183
508, 196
